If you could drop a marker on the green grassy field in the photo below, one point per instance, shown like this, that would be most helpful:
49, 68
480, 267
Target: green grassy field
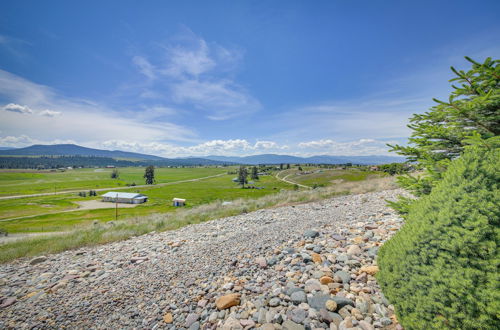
15, 182
55, 213
45, 213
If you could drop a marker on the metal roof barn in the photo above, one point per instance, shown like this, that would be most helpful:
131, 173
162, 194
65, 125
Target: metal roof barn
122, 197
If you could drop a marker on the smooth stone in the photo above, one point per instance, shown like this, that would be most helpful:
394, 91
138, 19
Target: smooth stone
274, 302
298, 297
228, 301
190, 319
7, 302
290, 325
345, 276
354, 250
38, 260
311, 233
318, 301
195, 326
342, 302
232, 324
370, 270
248, 323
298, 315
261, 261
168, 318
331, 305
365, 325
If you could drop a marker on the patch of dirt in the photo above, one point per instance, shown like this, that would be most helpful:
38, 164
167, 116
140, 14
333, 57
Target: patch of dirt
93, 205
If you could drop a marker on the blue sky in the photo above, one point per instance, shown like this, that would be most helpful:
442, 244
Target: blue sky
194, 78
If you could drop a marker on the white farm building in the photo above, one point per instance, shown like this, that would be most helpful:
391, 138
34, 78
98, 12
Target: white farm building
122, 197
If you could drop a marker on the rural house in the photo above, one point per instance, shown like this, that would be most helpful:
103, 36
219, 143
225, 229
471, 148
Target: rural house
122, 197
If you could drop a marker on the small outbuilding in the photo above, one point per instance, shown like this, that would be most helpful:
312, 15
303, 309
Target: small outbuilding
122, 197
178, 202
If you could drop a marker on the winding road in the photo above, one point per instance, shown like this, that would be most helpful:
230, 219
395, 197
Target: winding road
290, 182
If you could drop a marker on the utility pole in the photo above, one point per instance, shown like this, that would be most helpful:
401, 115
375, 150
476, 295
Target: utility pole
116, 207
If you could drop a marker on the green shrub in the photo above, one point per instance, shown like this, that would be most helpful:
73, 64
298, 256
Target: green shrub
441, 270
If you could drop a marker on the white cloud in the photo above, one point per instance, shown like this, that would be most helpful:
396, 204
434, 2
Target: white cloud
24, 141
17, 108
237, 147
49, 113
83, 120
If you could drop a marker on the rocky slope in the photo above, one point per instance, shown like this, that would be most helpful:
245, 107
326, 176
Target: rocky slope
293, 267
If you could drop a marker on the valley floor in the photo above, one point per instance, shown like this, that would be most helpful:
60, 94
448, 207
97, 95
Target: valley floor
282, 268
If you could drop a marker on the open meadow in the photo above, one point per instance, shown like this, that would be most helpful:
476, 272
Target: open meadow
67, 211
23, 182
62, 212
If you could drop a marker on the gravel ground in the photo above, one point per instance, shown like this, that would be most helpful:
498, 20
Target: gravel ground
294, 267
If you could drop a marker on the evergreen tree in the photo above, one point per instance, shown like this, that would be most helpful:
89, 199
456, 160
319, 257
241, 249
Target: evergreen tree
242, 176
115, 174
440, 271
255, 173
149, 174
439, 135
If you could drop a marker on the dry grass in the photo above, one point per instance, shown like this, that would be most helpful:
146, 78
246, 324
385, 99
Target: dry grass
115, 231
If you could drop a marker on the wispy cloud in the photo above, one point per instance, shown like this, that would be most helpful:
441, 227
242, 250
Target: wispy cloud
191, 59
198, 75
13, 46
144, 66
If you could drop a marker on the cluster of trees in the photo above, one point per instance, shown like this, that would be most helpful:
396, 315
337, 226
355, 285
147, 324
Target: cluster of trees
243, 175
441, 269
84, 194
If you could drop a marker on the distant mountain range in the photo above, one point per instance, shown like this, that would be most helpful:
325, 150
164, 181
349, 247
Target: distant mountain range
74, 155
72, 150
324, 159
